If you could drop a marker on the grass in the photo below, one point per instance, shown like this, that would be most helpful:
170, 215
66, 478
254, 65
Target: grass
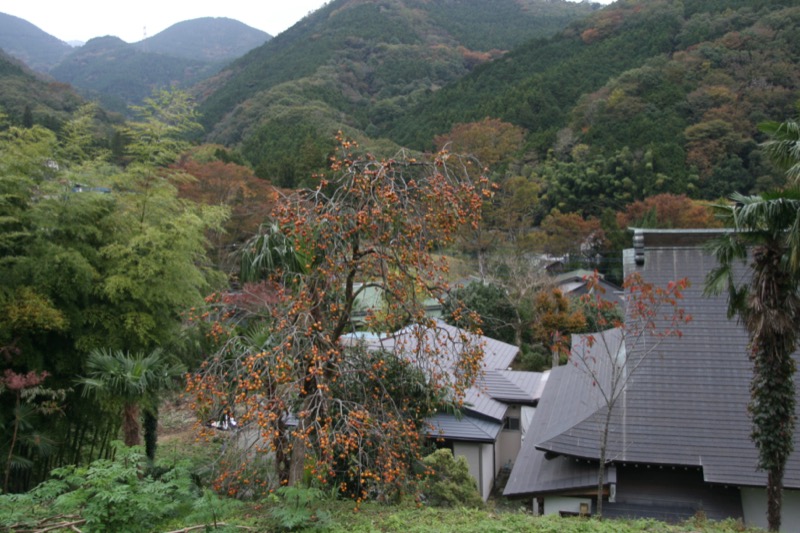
408, 518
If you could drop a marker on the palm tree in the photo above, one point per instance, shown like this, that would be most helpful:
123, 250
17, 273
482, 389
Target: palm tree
132, 380
768, 305
271, 251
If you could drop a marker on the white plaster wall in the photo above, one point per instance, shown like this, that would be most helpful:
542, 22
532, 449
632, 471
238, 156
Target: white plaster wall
556, 504
526, 418
508, 444
754, 506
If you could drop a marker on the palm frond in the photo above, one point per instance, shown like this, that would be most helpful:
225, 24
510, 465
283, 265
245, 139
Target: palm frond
126, 376
783, 146
269, 252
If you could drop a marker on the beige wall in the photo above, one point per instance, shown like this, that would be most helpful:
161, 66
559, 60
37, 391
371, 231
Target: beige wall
508, 442
481, 463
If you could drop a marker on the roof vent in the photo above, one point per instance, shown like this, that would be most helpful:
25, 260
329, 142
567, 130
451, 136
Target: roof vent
638, 247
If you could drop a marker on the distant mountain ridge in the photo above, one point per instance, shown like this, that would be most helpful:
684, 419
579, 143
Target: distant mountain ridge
31, 45
118, 73
205, 39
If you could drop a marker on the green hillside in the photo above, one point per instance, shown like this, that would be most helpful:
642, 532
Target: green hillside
119, 74
360, 65
24, 93
661, 96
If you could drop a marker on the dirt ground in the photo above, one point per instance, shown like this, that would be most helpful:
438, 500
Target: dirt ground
176, 421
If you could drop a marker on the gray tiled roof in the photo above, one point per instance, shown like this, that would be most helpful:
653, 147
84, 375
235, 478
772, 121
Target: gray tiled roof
567, 400
687, 404
496, 388
480, 402
484, 399
514, 386
466, 428
450, 341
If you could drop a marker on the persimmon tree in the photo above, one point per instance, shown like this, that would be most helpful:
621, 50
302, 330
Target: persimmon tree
324, 403
556, 320
610, 357
489, 142
565, 233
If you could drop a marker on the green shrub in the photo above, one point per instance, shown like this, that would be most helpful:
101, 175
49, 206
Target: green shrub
114, 495
448, 482
297, 507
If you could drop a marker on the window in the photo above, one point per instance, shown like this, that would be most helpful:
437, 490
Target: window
511, 422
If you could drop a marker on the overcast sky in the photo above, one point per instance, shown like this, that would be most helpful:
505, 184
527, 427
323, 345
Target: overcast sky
132, 20
80, 20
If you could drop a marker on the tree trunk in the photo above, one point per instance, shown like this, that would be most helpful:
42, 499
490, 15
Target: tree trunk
771, 321
280, 443
150, 433
297, 460
774, 498
601, 474
517, 329
130, 424
556, 350
11, 446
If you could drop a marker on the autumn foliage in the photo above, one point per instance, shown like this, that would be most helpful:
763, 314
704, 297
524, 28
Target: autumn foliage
321, 404
218, 183
668, 211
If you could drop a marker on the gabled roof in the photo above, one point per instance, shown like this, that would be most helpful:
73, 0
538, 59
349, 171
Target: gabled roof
514, 386
466, 428
485, 403
496, 388
573, 283
568, 400
686, 405
449, 341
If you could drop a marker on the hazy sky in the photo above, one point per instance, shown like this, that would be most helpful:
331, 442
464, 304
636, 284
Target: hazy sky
80, 20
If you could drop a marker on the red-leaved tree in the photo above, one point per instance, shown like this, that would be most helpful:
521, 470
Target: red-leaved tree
611, 357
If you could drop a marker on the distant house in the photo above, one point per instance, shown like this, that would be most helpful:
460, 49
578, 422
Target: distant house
370, 300
574, 284
497, 409
490, 430
680, 438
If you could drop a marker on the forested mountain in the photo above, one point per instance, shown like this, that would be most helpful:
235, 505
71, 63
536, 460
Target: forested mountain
205, 39
119, 74
38, 49
638, 98
359, 65
643, 97
26, 98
